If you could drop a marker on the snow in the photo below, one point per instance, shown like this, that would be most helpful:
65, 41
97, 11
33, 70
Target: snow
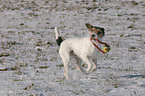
29, 61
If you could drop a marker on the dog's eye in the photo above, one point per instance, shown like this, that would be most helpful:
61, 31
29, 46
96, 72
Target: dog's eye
92, 30
98, 33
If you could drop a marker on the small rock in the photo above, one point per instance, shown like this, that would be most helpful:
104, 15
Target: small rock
134, 3
132, 49
4, 54
22, 24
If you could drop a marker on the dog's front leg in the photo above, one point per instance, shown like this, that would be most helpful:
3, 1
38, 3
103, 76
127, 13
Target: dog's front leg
94, 62
88, 62
78, 65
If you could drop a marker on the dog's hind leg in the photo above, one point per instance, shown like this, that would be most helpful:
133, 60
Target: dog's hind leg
65, 58
78, 65
88, 62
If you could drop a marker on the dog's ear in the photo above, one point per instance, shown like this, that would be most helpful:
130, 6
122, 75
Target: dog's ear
89, 26
102, 29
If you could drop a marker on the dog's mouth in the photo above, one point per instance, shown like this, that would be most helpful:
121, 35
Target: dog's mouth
96, 36
93, 35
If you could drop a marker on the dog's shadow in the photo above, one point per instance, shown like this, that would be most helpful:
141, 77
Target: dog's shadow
133, 76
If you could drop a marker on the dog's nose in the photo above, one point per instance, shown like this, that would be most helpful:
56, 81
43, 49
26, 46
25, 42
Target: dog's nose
93, 35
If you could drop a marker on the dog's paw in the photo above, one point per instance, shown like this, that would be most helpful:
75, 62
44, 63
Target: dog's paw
84, 72
67, 78
88, 72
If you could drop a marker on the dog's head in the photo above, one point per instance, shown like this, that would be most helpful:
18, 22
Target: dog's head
95, 31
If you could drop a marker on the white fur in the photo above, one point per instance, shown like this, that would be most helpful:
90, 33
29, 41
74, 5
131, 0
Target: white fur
80, 49
57, 32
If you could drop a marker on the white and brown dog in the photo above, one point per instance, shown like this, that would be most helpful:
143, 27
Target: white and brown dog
81, 49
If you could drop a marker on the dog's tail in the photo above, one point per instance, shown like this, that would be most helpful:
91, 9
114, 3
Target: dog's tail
59, 39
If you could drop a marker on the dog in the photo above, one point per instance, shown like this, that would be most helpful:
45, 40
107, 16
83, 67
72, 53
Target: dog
81, 49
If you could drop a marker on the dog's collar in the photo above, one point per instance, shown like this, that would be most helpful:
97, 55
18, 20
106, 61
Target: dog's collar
100, 43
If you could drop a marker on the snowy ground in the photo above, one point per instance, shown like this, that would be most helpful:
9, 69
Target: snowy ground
29, 60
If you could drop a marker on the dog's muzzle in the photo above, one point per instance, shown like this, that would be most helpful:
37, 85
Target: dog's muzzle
93, 35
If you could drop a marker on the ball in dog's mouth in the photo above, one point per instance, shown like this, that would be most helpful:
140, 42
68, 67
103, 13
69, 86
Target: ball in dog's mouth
106, 48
